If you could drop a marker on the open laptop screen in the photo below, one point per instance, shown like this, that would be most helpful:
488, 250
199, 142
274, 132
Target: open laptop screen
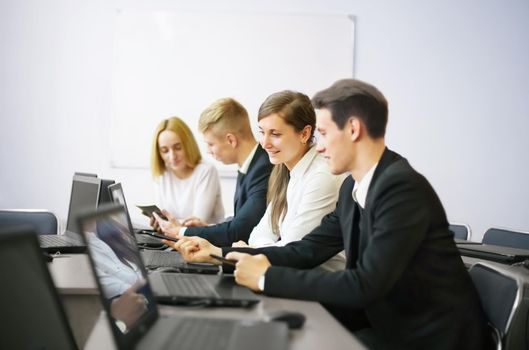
119, 272
117, 195
85, 195
31, 312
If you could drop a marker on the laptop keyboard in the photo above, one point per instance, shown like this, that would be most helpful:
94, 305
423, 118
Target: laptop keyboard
188, 285
147, 240
159, 258
53, 241
196, 333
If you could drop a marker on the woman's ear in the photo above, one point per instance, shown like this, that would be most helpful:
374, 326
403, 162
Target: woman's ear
306, 134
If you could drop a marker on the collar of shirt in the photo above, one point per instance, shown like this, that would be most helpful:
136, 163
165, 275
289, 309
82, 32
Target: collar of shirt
304, 163
360, 188
246, 165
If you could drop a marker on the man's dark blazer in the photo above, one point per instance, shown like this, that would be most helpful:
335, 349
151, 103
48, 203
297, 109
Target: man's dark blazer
249, 205
403, 268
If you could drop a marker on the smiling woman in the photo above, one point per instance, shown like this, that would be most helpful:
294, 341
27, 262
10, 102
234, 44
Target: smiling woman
185, 185
301, 188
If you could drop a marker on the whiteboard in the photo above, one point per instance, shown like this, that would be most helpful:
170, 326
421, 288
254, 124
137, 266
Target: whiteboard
176, 63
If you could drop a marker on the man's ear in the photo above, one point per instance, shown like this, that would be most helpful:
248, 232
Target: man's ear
355, 128
232, 140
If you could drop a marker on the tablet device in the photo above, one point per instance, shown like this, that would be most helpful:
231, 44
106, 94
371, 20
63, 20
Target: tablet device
148, 210
159, 235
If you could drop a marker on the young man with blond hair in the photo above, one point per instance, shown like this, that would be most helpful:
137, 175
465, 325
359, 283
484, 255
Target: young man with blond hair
226, 129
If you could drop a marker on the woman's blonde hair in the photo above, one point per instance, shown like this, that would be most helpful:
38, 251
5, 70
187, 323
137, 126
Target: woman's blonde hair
296, 110
189, 145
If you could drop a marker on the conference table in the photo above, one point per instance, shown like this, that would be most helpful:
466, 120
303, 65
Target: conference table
76, 286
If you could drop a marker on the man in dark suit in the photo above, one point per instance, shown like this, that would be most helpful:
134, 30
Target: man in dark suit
226, 129
403, 270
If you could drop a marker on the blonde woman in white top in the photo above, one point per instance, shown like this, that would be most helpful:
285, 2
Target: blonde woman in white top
185, 185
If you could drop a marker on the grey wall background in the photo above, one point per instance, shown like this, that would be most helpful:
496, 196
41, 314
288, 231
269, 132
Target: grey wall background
455, 74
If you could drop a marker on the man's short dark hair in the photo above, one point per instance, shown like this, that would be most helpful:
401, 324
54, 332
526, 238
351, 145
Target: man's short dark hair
348, 98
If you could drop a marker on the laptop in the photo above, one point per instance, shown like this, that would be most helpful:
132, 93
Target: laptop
504, 255
464, 241
142, 238
154, 259
84, 194
32, 314
114, 252
104, 195
104, 191
124, 285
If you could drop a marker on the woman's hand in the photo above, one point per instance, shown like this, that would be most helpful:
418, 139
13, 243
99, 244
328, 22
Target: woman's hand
170, 227
129, 306
240, 244
194, 221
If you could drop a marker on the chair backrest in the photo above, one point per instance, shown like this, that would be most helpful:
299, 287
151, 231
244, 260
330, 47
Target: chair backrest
506, 238
501, 293
460, 231
43, 222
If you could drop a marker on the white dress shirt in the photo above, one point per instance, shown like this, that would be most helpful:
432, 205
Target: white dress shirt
246, 165
198, 195
312, 193
360, 188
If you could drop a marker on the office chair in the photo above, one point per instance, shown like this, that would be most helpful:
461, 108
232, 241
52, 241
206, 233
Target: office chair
504, 299
506, 238
460, 231
43, 222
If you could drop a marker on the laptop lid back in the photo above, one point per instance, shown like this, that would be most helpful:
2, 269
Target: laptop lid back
104, 193
120, 274
85, 195
501, 254
117, 195
31, 311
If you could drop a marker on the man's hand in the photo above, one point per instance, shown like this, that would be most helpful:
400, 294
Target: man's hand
195, 249
169, 227
194, 221
249, 268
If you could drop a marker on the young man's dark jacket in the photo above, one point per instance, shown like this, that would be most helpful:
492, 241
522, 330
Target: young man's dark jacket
249, 205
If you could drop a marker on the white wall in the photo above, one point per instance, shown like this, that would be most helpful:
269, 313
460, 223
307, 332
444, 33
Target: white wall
455, 74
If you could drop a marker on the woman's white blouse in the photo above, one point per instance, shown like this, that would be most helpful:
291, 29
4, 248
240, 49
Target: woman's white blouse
312, 193
115, 277
198, 195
